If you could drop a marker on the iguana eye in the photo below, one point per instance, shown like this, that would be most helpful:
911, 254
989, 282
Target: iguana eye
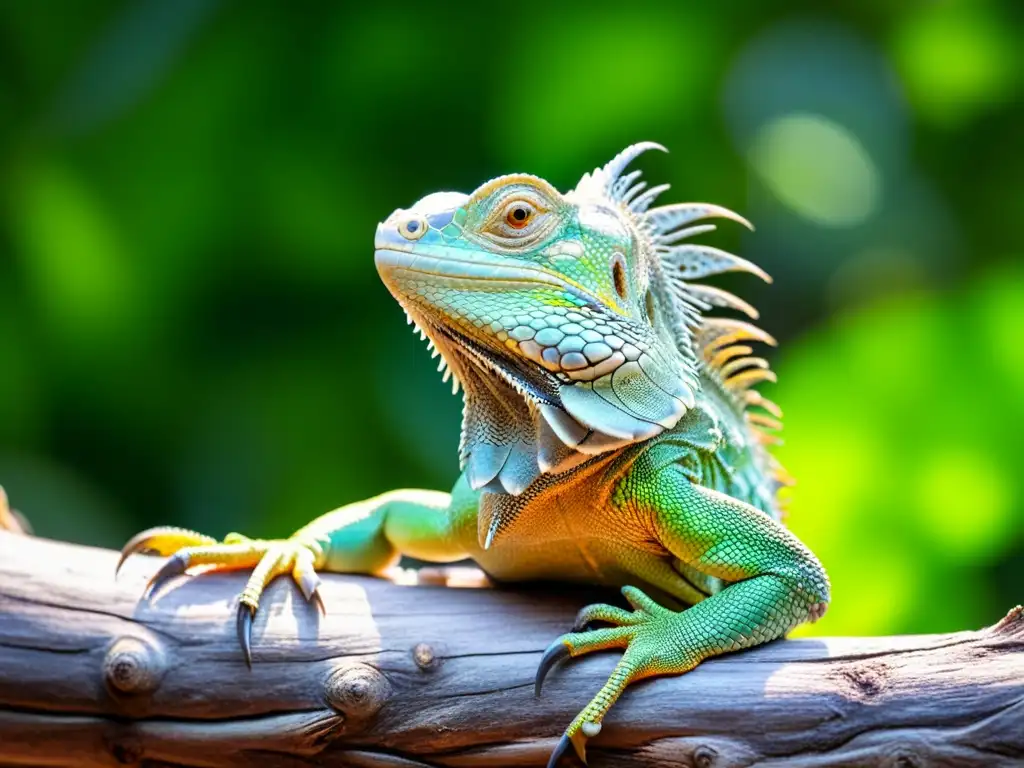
413, 227
519, 218
519, 214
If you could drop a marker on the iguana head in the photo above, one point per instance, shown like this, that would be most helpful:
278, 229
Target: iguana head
566, 318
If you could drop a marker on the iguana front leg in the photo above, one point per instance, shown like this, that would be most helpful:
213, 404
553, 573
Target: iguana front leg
775, 584
365, 537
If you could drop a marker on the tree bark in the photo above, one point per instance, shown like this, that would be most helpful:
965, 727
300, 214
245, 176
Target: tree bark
430, 675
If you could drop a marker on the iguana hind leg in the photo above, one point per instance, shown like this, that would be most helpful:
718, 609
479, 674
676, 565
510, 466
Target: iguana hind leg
775, 583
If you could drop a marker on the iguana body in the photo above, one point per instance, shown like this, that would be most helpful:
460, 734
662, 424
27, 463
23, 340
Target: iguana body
610, 434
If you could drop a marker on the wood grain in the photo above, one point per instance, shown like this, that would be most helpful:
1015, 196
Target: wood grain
430, 675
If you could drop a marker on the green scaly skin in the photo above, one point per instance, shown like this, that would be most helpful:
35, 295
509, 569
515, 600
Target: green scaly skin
610, 433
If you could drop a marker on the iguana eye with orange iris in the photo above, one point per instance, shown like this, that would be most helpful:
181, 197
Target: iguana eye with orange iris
519, 214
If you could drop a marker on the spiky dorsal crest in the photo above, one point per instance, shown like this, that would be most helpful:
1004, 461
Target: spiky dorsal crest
663, 230
607, 182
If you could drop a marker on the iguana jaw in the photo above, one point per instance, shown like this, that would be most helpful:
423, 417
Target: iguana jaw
491, 274
507, 306
497, 313
457, 338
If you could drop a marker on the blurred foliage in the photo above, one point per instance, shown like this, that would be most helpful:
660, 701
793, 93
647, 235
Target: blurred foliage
908, 476
192, 331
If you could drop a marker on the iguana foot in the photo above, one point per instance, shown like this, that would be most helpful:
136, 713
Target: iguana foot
11, 519
654, 646
268, 559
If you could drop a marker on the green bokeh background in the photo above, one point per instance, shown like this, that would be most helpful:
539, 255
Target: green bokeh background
192, 330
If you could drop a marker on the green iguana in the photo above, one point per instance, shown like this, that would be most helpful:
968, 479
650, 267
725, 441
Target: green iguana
610, 432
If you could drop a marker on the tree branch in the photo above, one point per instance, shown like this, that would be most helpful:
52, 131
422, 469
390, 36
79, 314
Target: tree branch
414, 676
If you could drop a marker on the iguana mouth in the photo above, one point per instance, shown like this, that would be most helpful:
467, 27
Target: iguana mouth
475, 272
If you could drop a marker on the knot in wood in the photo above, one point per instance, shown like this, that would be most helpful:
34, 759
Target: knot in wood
124, 747
866, 679
905, 759
705, 756
134, 665
424, 657
357, 691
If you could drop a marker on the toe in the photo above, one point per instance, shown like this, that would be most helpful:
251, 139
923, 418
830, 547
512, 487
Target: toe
163, 540
592, 640
602, 612
175, 566
577, 644
304, 574
318, 599
641, 602
588, 722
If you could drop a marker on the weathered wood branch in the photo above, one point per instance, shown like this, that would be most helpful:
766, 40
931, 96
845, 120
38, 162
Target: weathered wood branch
399, 675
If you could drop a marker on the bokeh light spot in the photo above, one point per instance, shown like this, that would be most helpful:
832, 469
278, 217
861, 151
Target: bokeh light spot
70, 250
964, 502
1000, 304
818, 168
903, 438
956, 59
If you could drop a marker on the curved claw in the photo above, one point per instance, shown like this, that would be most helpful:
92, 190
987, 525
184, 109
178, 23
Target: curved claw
11, 519
163, 540
560, 749
309, 584
317, 598
125, 554
554, 653
244, 627
175, 566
